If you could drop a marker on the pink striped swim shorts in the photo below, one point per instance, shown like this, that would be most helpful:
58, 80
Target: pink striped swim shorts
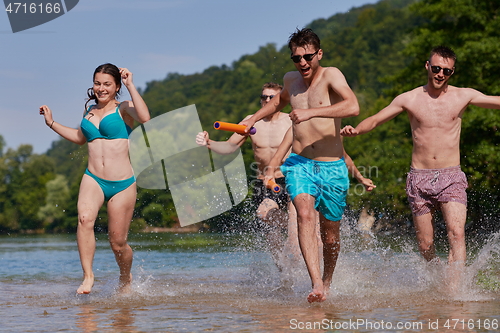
426, 188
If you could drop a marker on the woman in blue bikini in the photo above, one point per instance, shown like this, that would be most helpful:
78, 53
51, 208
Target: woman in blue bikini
106, 125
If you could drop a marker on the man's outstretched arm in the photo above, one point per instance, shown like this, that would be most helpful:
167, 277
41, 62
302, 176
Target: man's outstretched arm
384, 115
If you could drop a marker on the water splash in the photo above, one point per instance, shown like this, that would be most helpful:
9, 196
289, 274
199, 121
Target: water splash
376, 271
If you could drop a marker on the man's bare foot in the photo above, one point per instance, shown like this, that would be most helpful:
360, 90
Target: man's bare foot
316, 295
86, 286
125, 284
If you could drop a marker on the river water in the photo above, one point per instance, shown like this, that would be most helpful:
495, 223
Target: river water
229, 283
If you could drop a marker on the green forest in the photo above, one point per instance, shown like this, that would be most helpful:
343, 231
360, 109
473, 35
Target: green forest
380, 48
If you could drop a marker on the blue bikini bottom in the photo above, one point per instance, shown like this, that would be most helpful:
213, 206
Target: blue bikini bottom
111, 187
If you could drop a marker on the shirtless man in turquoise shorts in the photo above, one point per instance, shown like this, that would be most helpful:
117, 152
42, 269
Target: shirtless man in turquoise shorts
316, 174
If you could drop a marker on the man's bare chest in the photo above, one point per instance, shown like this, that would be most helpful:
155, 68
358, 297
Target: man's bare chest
437, 112
314, 96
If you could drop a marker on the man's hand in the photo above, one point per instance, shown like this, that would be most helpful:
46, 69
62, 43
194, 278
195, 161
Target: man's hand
367, 183
248, 123
349, 131
202, 139
299, 115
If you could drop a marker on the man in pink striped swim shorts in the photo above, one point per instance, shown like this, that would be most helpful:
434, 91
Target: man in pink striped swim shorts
435, 180
428, 188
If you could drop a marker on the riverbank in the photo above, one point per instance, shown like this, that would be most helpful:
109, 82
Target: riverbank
177, 229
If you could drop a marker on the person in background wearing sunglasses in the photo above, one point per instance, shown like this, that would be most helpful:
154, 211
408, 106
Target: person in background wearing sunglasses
316, 174
435, 180
276, 215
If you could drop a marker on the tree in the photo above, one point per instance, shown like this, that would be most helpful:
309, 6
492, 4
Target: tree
24, 176
56, 201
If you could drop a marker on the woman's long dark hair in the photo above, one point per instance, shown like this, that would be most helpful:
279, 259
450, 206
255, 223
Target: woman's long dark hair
106, 69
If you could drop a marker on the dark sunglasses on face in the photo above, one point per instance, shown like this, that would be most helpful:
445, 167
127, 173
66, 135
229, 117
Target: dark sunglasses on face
265, 97
437, 69
307, 57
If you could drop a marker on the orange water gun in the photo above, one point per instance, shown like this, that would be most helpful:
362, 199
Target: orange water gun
273, 185
240, 129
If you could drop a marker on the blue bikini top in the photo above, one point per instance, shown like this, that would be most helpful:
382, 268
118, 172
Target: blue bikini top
111, 127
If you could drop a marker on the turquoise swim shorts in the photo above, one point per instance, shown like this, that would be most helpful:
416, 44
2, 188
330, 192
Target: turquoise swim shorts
327, 182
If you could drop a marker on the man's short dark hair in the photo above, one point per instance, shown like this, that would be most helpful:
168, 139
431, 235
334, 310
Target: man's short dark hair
444, 52
302, 38
272, 85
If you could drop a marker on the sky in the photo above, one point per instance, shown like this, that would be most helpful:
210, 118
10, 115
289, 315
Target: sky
53, 63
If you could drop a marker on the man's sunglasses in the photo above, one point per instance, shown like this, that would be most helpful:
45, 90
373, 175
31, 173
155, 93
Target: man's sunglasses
437, 69
307, 57
265, 97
